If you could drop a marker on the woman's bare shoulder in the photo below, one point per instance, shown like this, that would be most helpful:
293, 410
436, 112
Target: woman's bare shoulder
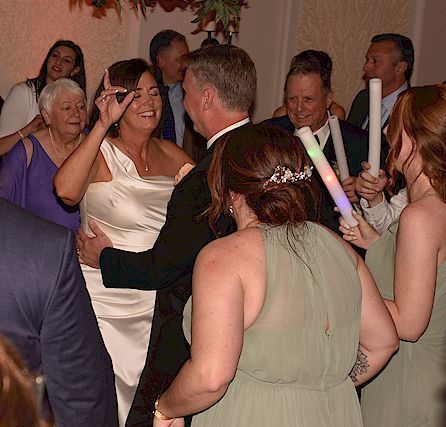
426, 211
231, 247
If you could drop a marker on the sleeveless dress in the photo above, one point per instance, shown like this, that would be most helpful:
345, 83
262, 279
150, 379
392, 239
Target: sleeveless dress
291, 372
131, 210
31, 187
411, 390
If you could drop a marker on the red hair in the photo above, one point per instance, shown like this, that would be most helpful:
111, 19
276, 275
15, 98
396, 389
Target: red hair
421, 113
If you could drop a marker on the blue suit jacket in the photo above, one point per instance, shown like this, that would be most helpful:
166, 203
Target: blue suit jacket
46, 313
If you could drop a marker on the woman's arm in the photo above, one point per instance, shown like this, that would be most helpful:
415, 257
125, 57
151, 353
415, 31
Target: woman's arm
81, 167
16, 112
378, 339
362, 235
417, 246
8, 141
383, 214
217, 335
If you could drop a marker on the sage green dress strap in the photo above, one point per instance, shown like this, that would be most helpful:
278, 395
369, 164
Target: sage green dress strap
411, 390
291, 372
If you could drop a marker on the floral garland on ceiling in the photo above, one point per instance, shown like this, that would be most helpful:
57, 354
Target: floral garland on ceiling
224, 12
100, 7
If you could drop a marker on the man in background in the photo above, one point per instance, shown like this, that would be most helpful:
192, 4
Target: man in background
167, 51
391, 58
308, 96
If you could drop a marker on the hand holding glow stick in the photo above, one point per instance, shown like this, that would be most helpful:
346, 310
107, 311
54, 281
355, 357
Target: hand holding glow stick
375, 97
341, 158
326, 172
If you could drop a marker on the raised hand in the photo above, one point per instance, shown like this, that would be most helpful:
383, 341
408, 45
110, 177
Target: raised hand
369, 187
348, 185
110, 110
363, 235
33, 126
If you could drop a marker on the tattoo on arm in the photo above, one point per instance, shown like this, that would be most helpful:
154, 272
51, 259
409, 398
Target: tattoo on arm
360, 366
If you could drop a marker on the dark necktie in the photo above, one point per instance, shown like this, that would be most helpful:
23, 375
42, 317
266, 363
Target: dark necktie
169, 120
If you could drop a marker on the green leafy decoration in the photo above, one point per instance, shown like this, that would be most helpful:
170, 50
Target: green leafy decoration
225, 11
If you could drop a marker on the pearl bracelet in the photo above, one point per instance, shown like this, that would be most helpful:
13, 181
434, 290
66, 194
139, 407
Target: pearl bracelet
159, 415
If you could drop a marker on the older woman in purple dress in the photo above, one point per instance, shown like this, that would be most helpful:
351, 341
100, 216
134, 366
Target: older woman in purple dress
27, 172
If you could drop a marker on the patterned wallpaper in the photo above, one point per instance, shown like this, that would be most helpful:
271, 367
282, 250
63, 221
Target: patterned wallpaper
28, 28
343, 28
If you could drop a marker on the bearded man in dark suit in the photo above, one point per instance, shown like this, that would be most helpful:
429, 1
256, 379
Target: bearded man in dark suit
46, 313
219, 88
308, 97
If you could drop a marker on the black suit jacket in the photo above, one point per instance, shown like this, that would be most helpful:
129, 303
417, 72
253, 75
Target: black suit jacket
358, 113
359, 109
167, 267
46, 313
356, 150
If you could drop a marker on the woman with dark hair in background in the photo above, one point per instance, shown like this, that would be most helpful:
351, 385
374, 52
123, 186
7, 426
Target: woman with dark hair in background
20, 115
280, 307
408, 264
124, 175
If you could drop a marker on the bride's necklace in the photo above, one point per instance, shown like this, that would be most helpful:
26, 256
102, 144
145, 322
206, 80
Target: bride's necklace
146, 166
54, 145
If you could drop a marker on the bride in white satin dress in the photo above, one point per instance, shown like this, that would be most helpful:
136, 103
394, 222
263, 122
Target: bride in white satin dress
124, 176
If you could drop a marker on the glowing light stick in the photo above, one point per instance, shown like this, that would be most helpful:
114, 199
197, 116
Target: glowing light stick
327, 174
375, 92
341, 158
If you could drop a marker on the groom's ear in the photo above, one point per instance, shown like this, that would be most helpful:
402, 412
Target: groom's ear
208, 97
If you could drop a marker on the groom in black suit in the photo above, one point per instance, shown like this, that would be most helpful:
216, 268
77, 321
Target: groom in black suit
219, 86
308, 96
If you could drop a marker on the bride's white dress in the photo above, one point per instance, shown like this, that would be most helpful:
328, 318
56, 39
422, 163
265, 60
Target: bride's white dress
130, 210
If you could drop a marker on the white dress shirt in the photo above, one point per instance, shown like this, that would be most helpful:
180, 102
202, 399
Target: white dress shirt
227, 129
383, 214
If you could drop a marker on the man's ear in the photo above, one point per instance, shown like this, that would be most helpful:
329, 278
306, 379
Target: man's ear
329, 99
401, 67
207, 97
75, 71
160, 60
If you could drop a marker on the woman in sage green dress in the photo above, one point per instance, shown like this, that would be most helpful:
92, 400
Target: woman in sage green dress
408, 265
280, 307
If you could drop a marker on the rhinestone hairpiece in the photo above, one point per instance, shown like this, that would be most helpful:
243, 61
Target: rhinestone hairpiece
282, 174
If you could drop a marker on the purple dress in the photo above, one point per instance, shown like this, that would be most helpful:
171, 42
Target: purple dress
32, 187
